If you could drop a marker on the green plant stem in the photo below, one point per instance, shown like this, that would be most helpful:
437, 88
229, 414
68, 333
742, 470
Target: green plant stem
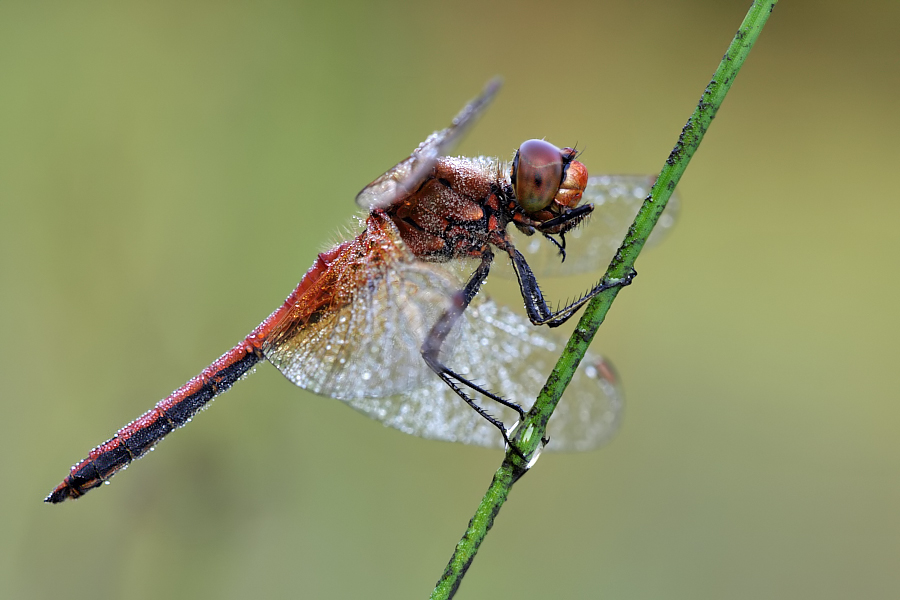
513, 466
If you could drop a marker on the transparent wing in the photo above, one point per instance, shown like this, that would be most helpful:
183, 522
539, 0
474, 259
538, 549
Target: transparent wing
405, 177
357, 331
357, 324
590, 247
504, 353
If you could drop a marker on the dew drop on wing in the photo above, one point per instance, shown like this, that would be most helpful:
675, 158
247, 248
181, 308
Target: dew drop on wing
499, 349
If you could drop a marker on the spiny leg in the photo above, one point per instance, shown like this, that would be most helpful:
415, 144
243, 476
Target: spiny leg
535, 305
431, 349
561, 247
449, 376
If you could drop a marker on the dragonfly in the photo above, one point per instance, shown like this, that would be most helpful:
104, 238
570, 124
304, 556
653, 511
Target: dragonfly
392, 323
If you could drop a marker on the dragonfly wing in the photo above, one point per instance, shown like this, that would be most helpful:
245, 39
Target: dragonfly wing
503, 352
616, 199
358, 329
406, 176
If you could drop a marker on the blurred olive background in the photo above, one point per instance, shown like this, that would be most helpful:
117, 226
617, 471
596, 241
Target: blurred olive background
169, 170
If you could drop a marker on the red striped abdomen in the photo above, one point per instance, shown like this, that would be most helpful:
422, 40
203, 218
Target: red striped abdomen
138, 437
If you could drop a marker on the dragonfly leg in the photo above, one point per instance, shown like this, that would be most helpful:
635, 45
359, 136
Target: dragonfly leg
431, 349
559, 246
535, 305
566, 221
449, 376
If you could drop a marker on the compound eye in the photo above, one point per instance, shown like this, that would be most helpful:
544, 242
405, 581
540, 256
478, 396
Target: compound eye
537, 174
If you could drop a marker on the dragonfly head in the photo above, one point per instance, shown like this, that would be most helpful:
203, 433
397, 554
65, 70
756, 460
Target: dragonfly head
548, 184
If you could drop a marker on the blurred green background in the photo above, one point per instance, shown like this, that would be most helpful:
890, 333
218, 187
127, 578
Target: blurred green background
169, 170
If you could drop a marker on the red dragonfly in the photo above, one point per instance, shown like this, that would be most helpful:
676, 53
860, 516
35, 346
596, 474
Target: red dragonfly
378, 316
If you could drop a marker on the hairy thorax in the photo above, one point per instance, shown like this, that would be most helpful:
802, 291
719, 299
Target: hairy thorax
457, 211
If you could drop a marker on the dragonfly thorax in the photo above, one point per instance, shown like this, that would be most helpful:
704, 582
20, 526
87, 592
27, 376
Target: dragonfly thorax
466, 204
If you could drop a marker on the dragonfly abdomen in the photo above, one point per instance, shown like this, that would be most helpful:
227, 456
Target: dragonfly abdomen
138, 437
